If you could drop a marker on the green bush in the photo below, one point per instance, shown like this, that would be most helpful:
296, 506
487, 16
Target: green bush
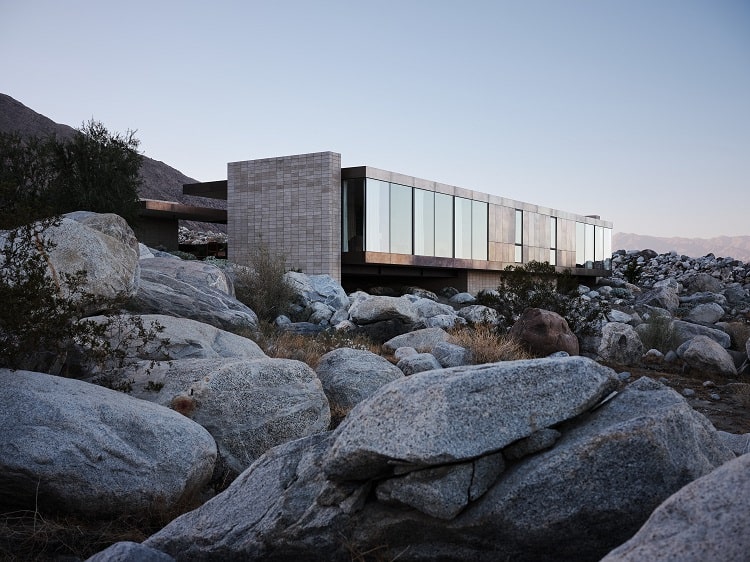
95, 170
40, 320
632, 272
536, 285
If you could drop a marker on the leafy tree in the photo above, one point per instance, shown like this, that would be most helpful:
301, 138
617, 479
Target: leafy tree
98, 171
27, 172
94, 171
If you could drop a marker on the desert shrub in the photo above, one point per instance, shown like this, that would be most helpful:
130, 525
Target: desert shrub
38, 309
183, 255
262, 285
632, 272
487, 345
658, 333
40, 320
535, 285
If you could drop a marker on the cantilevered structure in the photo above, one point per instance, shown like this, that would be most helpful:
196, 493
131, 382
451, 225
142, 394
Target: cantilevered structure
364, 225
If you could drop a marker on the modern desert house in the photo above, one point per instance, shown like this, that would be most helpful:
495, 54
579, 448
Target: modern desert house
366, 226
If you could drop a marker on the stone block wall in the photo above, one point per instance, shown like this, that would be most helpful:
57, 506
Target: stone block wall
293, 205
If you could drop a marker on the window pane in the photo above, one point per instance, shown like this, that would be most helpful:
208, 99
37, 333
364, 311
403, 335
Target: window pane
463, 227
589, 246
580, 245
599, 244
352, 223
443, 225
519, 226
607, 248
552, 232
478, 230
553, 257
377, 230
401, 228
518, 254
424, 222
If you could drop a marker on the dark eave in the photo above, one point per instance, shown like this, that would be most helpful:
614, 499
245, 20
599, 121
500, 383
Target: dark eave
171, 210
211, 189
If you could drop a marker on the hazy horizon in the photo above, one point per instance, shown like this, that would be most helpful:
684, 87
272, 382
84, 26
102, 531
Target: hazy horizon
633, 111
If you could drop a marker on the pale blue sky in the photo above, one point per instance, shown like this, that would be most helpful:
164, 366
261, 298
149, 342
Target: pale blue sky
636, 110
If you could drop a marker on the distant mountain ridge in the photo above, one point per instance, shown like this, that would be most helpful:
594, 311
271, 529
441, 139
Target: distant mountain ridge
737, 247
159, 181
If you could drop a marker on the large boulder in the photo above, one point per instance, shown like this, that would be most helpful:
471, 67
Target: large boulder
684, 331
480, 314
544, 332
418, 363
172, 339
248, 405
574, 501
190, 289
128, 551
703, 282
620, 344
451, 355
445, 416
378, 309
102, 245
665, 296
705, 520
704, 354
352, 375
422, 340
71, 446
706, 313
322, 289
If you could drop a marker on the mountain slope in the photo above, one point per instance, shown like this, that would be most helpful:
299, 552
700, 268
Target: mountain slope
737, 247
159, 181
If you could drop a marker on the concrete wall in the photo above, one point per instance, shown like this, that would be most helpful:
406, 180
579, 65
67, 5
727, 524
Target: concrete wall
293, 205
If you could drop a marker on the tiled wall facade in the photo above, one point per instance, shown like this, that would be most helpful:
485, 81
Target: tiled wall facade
290, 203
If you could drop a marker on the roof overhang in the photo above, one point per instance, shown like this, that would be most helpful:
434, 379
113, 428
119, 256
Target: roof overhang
211, 189
171, 210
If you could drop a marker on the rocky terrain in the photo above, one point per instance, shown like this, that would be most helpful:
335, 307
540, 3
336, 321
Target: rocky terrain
735, 246
581, 453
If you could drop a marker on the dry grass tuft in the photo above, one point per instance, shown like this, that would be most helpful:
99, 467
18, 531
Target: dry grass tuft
487, 346
27, 535
310, 348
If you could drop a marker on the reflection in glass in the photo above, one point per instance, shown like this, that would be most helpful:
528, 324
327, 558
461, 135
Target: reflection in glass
352, 220
479, 231
518, 257
443, 225
607, 248
463, 227
424, 222
553, 241
580, 245
589, 246
599, 246
401, 227
377, 235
